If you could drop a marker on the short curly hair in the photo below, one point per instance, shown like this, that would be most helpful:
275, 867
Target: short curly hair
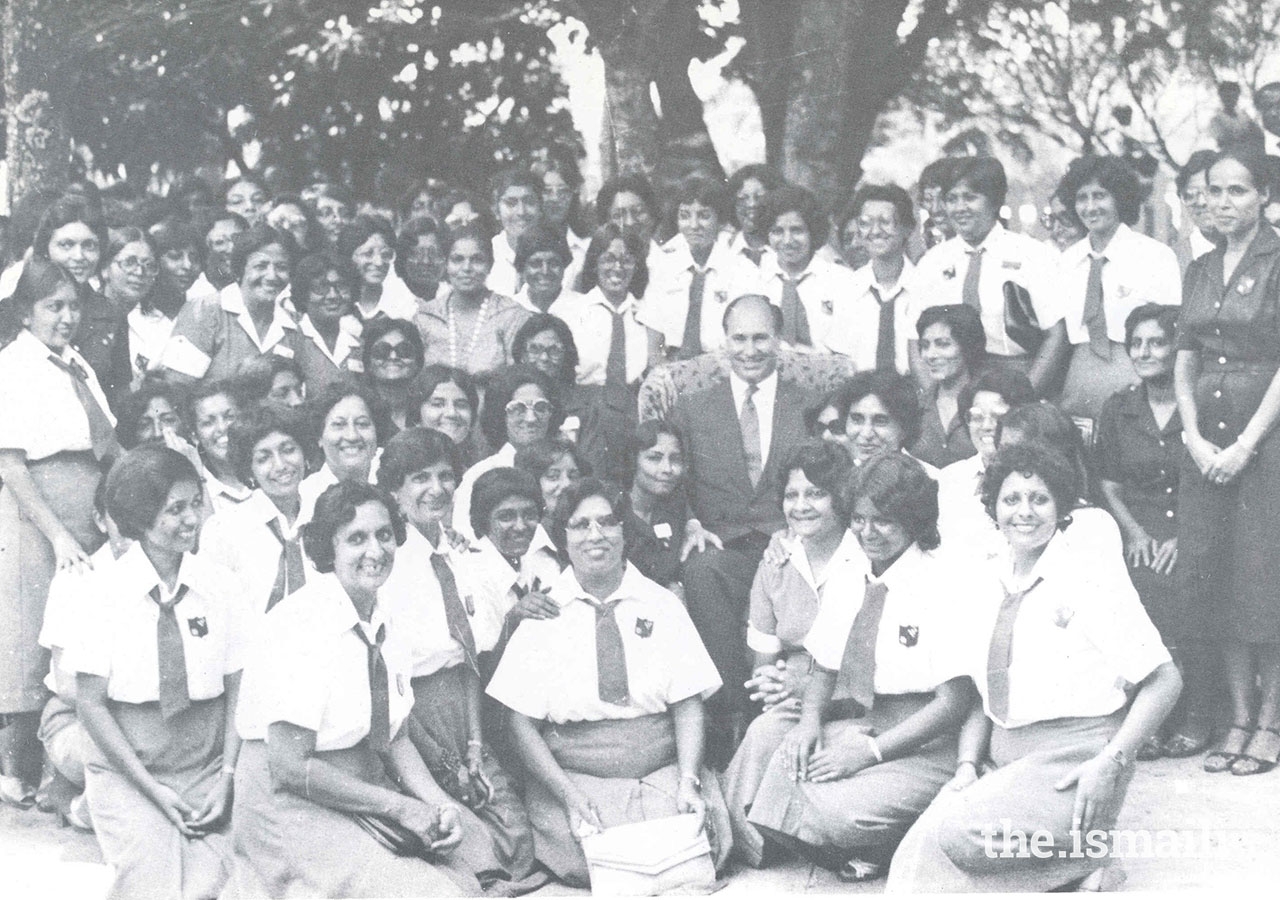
1113, 175
245, 243
495, 486
249, 429
139, 484
827, 466
896, 392
335, 392
413, 450
793, 198
337, 507
1058, 474
901, 491
493, 417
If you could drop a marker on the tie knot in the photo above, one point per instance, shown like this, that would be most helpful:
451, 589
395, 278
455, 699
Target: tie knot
606, 608
158, 598
976, 251
378, 636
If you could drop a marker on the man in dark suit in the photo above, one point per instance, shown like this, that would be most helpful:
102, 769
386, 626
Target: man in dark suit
738, 433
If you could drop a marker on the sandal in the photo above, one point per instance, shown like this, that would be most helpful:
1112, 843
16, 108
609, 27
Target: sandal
1150, 749
1182, 744
1222, 759
1250, 763
15, 793
855, 870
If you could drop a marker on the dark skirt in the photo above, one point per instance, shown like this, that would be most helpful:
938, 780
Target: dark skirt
440, 706
863, 816
628, 769
288, 846
150, 856
67, 481
949, 849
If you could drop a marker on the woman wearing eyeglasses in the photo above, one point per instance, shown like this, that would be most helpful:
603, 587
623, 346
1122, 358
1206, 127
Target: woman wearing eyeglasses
393, 355
605, 698
370, 243
521, 407
1064, 227
322, 291
132, 282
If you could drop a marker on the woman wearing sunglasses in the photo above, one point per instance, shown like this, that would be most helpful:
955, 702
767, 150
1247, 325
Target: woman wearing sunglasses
393, 357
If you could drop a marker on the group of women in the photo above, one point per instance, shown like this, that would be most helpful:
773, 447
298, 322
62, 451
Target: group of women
359, 577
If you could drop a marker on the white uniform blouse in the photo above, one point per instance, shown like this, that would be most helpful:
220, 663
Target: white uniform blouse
413, 599
666, 300
590, 319
549, 668
117, 636
856, 329
312, 670
237, 538
493, 583
823, 287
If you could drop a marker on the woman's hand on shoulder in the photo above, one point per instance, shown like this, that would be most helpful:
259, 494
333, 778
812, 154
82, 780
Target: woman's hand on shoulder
459, 543
699, 539
68, 554
534, 603
776, 553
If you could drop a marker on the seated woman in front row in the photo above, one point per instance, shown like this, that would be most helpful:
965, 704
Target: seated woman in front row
843, 793
1073, 678
606, 698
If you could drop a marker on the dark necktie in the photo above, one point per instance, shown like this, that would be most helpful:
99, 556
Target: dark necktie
174, 694
290, 574
102, 435
615, 367
858, 665
454, 612
795, 321
886, 360
691, 342
755, 254
1095, 318
379, 690
1000, 652
972, 277
749, 422
611, 659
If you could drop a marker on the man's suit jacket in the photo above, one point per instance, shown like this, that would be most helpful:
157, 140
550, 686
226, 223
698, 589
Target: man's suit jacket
723, 499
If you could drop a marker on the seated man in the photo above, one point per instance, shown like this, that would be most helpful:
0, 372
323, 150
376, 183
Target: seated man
738, 433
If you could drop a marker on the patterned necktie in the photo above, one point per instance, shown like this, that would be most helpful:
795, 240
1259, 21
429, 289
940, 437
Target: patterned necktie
1095, 318
1000, 652
971, 278
611, 659
379, 690
455, 614
174, 694
290, 573
691, 342
795, 321
886, 360
102, 435
749, 422
858, 665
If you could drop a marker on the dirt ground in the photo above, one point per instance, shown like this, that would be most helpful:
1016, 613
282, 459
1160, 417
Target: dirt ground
1233, 823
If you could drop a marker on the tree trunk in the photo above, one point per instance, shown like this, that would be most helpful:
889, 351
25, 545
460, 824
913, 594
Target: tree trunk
769, 28
38, 146
627, 37
685, 141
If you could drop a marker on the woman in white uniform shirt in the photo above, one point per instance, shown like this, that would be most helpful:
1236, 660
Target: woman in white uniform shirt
326, 697
433, 606
260, 540
212, 407
55, 430
606, 697
370, 244
1073, 678
350, 425
158, 664
845, 792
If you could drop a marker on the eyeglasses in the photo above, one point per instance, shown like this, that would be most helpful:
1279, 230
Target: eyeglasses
824, 428
384, 350
540, 408
977, 417
582, 525
555, 353
135, 266
621, 262
324, 290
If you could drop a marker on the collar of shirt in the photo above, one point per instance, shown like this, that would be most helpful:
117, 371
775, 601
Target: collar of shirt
679, 257
1054, 556
419, 543
770, 269
232, 302
495, 565
502, 249
989, 244
1079, 253
901, 569
596, 297
264, 510
766, 390
330, 610
349, 331
866, 280
566, 589
134, 574
736, 241
848, 552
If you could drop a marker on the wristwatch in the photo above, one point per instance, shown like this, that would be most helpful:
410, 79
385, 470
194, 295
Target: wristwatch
1120, 756
694, 779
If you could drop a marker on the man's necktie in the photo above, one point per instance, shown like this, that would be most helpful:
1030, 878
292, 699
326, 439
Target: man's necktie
379, 690
886, 353
1000, 652
755, 254
858, 665
971, 278
749, 422
455, 613
102, 435
691, 342
174, 693
290, 573
1095, 317
611, 659
795, 321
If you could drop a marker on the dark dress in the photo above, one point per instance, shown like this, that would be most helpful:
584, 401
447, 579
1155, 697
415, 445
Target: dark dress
654, 547
1227, 560
940, 444
103, 340
1143, 459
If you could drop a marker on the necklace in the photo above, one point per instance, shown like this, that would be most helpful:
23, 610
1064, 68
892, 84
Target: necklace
475, 331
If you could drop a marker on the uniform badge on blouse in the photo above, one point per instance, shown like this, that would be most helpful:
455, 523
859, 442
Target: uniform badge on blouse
400, 684
469, 604
644, 627
198, 626
908, 635
662, 531
828, 307
949, 272
1063, 615
722, 297
1246, 285
1123, 291
1011, 264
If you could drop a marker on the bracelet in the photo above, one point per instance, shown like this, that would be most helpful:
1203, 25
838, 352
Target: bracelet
967, 762
228, 769
875, 748
694, 779
306, 778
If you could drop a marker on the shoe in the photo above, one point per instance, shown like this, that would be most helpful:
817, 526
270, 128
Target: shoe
1222, 759
1150, 749
1107, 879
1184, 744
856, 870
1261, 755
15, 793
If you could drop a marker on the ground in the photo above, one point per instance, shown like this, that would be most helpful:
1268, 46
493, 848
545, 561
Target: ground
1234, 823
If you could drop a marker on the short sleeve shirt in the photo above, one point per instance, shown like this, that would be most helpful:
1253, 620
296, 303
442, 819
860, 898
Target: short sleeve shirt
785, 599
1141, 457
666, 299
322, 366
212, 337
64, 614
590, 319
239, 539
413, 598
824, 287
1138, 270
42, 415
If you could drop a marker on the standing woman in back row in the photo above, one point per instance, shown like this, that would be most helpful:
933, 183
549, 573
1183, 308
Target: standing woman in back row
1228, 391
54, 434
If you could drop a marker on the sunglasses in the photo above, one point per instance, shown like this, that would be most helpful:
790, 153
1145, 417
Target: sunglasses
835, 426
384, 351
540, 408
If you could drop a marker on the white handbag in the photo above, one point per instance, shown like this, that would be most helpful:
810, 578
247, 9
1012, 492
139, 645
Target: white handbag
644, 859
